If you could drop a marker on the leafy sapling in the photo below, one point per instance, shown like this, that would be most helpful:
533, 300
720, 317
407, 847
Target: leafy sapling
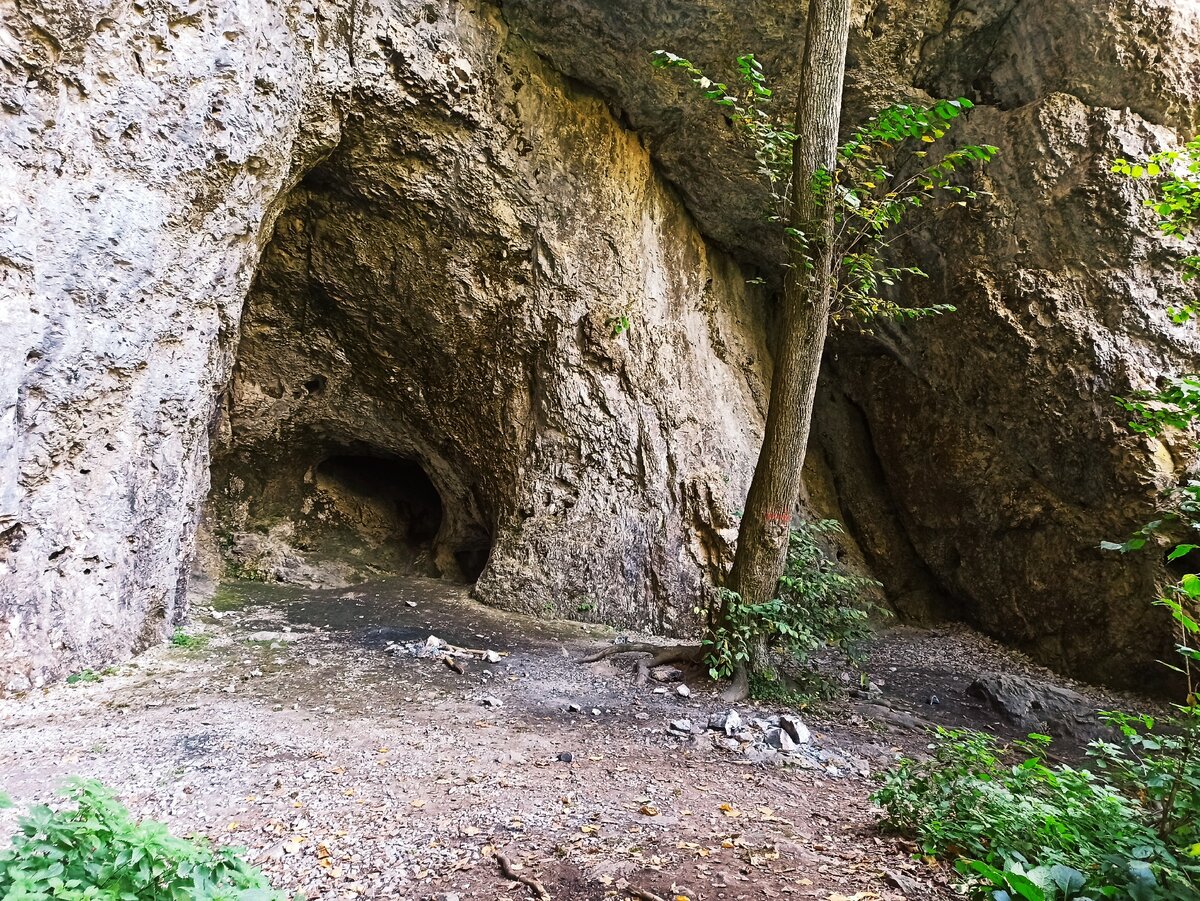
884, 174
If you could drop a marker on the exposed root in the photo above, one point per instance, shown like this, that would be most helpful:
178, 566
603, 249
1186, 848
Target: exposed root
739, 688
621, 647
682, 653
659, 654
506, 869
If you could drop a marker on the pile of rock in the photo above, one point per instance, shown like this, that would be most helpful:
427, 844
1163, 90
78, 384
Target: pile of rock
776, 740
432, 648
435, 648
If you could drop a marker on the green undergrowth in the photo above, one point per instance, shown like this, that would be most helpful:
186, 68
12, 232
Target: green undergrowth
1020, 827
182, 639
96, 851
817, 605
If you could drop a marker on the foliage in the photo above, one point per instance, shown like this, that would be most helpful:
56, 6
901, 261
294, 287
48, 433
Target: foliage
1161, 769
181, 639
1174, 404
1131, 829
871, 195
98, 852
799, 690
1023, 828
618, 325
83, 677
816, 604
1177, 202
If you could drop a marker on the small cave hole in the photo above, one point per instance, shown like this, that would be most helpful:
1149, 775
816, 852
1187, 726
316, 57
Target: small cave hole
472, 556
316, 384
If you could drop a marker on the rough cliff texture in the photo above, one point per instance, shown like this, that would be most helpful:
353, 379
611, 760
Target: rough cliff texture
979, 460
143, 150
488, 284
462, 232
444, 208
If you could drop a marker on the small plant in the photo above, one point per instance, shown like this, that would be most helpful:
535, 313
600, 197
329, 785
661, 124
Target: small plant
800, 690
182, 639
83, 677
816, 604
96, 851
618, 325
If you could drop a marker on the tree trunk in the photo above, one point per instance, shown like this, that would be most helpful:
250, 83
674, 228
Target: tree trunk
808, 295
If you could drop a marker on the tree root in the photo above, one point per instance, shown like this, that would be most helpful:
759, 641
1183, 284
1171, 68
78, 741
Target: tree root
506, 869
659, 655
739, 687
621, 647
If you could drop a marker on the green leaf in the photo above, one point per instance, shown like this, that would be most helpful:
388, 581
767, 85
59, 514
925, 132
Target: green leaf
1068, 879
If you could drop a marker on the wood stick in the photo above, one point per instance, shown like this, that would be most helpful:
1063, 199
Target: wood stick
506, 869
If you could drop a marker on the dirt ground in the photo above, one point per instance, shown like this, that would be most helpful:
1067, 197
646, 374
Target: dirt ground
349, 771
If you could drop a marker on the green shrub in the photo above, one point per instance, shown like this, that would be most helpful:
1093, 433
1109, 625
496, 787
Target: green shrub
98, 852
1022, 828
816, 604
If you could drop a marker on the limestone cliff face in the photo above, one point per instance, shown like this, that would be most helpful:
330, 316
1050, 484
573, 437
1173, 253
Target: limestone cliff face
460, 237
144, 149
979, 460
488, 283
422, 228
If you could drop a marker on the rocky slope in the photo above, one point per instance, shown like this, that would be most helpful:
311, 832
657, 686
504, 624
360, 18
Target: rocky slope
429, 223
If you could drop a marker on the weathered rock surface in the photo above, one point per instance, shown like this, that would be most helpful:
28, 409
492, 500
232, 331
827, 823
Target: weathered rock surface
448, 231
978, 460
437, 327
1036, 707
461, 230
143, 149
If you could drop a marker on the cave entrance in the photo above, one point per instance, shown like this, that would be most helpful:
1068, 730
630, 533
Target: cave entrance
392, 500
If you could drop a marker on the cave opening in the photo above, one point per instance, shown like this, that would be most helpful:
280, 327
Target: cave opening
390, 497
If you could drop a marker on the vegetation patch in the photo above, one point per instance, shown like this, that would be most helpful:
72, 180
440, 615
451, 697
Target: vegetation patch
817, 604
96, 851
1020, 827
182, 639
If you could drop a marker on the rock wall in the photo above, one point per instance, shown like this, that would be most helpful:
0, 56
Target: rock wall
143, 149
453, 203
475, 223
979, 459
451, 287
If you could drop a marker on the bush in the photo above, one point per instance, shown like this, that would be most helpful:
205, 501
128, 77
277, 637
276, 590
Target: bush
816, 604
98, 852
1035, 831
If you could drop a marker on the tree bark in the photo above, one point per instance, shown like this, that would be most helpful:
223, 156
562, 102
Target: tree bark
808, 295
